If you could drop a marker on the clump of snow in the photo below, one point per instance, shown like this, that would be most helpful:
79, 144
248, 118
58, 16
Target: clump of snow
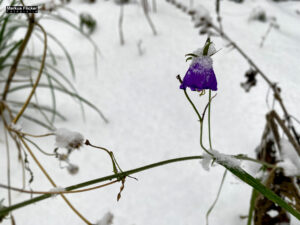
211, 50
205, 63
57, 189
205, 161
272, 213
290, 159
68, 139
107, 219
227, 160
16, 127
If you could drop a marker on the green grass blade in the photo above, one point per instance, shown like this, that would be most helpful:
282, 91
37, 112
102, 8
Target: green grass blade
248, 179
30, 118
54, 69
68, 56
38, 107
52, 55
66, 92
14, 47
3, 29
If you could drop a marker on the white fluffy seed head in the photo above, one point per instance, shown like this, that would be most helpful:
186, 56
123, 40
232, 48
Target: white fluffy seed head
68, 139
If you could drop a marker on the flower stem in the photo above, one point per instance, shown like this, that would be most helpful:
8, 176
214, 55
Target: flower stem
4, 211
209, 130
199, 117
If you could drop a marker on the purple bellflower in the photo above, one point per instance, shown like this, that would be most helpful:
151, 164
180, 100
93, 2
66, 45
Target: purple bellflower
200, 74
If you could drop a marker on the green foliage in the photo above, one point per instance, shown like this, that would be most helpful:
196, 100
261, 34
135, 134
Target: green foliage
29, 65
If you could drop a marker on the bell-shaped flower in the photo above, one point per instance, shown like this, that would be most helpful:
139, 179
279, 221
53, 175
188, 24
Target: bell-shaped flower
200, 74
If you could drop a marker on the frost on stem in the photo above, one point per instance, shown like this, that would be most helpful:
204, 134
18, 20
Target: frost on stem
107, 219
206, 160
226, 160
16, 127
57, 189
221, 158
68, 139
290, 160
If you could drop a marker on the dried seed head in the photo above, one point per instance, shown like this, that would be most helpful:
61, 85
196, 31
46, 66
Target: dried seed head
68, 139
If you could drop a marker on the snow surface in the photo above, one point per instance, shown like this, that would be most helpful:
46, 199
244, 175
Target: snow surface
150, 119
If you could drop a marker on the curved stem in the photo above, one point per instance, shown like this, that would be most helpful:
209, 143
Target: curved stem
56, 192
38, 77
91, 182
14, 67
209, 130
218, 195
198, 114
110, 177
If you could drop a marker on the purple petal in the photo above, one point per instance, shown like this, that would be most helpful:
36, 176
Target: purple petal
200, 76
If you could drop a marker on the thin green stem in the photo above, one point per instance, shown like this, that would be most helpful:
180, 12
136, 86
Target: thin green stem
4, 211
201, 138
199, 117
218, 195
209, 130
193, 105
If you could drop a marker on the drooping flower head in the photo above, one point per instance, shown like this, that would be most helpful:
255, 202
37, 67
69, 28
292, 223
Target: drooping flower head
68, 139
200, 75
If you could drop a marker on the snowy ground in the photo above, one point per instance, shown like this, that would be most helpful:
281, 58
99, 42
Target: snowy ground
150, 119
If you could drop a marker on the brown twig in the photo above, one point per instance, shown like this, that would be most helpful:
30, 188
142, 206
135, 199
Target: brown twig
13, 68
38, 77
286, 131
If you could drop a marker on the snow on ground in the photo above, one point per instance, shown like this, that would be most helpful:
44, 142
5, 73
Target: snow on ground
150, 119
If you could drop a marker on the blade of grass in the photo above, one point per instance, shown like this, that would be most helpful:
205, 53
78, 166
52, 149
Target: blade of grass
248, 179
32, 119
52, 55
66, 92
15, 46
64, 78
39, 107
